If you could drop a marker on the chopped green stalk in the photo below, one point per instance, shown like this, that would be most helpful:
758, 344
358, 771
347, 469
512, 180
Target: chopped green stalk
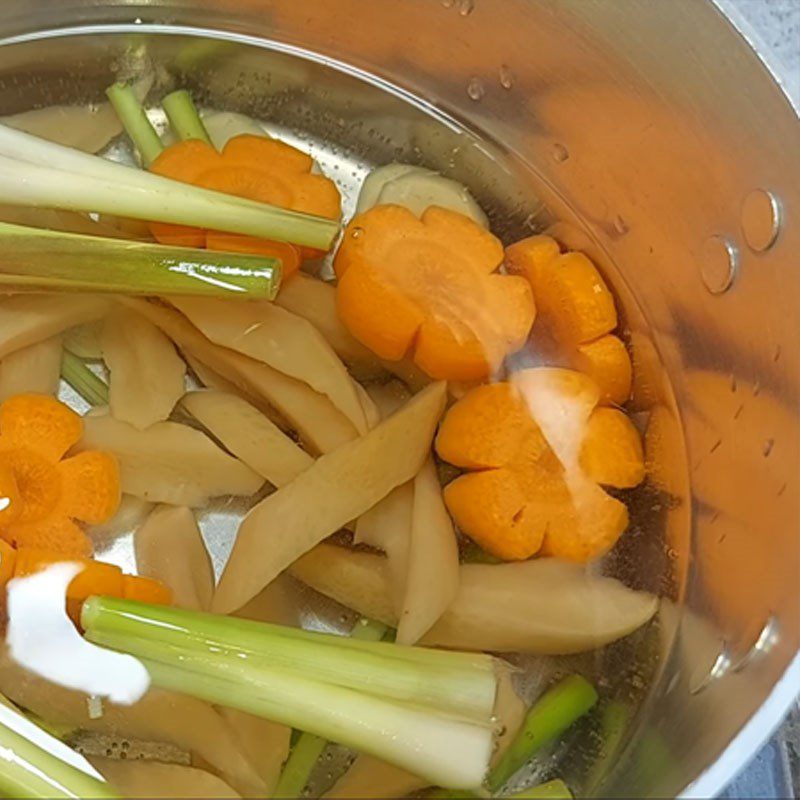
35, 764
615, 720
183, 117
413, 735
135, 121
35, 172
551, 715
78, 375
552, 790
464, 689
308, 748
37, 259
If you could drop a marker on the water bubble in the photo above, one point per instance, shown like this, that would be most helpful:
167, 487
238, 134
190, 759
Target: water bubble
620, 226
560, 153
767, 449
466, 7
475, 89
506, 76
357, 233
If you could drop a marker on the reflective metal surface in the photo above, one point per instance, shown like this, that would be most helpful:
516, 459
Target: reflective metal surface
642, 128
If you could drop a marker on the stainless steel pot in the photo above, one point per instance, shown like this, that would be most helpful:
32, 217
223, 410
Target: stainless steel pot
652, 136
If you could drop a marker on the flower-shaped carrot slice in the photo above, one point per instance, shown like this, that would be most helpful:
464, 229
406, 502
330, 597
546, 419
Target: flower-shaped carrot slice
429, 287
577, 309
52, 492
536, 464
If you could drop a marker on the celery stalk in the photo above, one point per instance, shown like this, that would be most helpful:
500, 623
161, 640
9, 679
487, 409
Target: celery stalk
466, 692
551, 715
552, 790
35, 172
35, 764
414, 735
183, 117
36, 259
78, 375
135, 121
308, 748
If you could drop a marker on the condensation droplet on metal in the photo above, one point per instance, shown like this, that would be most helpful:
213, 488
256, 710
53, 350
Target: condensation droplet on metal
761, 219
719, 262
767, 448
448, 3
506, 76
560, 153
475, 89
357, 233
620, 226
466, 7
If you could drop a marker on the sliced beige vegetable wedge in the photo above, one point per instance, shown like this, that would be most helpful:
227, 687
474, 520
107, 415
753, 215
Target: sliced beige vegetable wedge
170, 548
29, 319
147, 376
84, 340
249, 435
320, 424
336, 489
138, 778
282, 340
132, 512
433, 574
36, 368
169, 463
158, 717
509, 711
540, 606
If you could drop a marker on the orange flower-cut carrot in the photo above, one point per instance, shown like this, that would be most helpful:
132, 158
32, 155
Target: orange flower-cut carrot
518, 499
429, 287
50, 493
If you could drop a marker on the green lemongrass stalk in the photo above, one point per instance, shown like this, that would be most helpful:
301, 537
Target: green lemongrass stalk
308, 748
35, 172
462, 688
183, 117
615, 720
552, 790
77, 374
37, 259
549, 717
35, 764
134, 119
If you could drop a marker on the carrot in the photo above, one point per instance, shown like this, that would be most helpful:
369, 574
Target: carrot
289, 255
51, 492
145, 590
577, 309
429, 287
8, 559
518, 499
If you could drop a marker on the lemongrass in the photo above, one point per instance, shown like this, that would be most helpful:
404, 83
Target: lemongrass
36, 259
77, 374
34, 172
135, 121
444, 748
183, 117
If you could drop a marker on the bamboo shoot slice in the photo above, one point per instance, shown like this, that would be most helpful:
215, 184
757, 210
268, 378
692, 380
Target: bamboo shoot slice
249, 435
433, 575
373, 779
29, 319
540, 606
34, 369
147, 376
169, 463
336, 489
320, 424
283, 341
170, 548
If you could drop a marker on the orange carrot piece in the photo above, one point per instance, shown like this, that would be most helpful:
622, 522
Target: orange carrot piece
145, 590
429, 286
96, 577
289, 255
55, 533
612, 453
9, 496
530, 256
8, 560
90, 487
39, 423
607, 362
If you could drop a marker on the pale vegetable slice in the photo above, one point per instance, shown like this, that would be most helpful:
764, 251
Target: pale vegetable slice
84, 340
139, 778
29, 319
433, 574
280, 603
540, 606
158, 717
170, 548
377, 179
283, 341
336, 489
147, 376
320, 424
371, 778
224, 125
249, 435
169, 462
36, 368
132, 512
509, 711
